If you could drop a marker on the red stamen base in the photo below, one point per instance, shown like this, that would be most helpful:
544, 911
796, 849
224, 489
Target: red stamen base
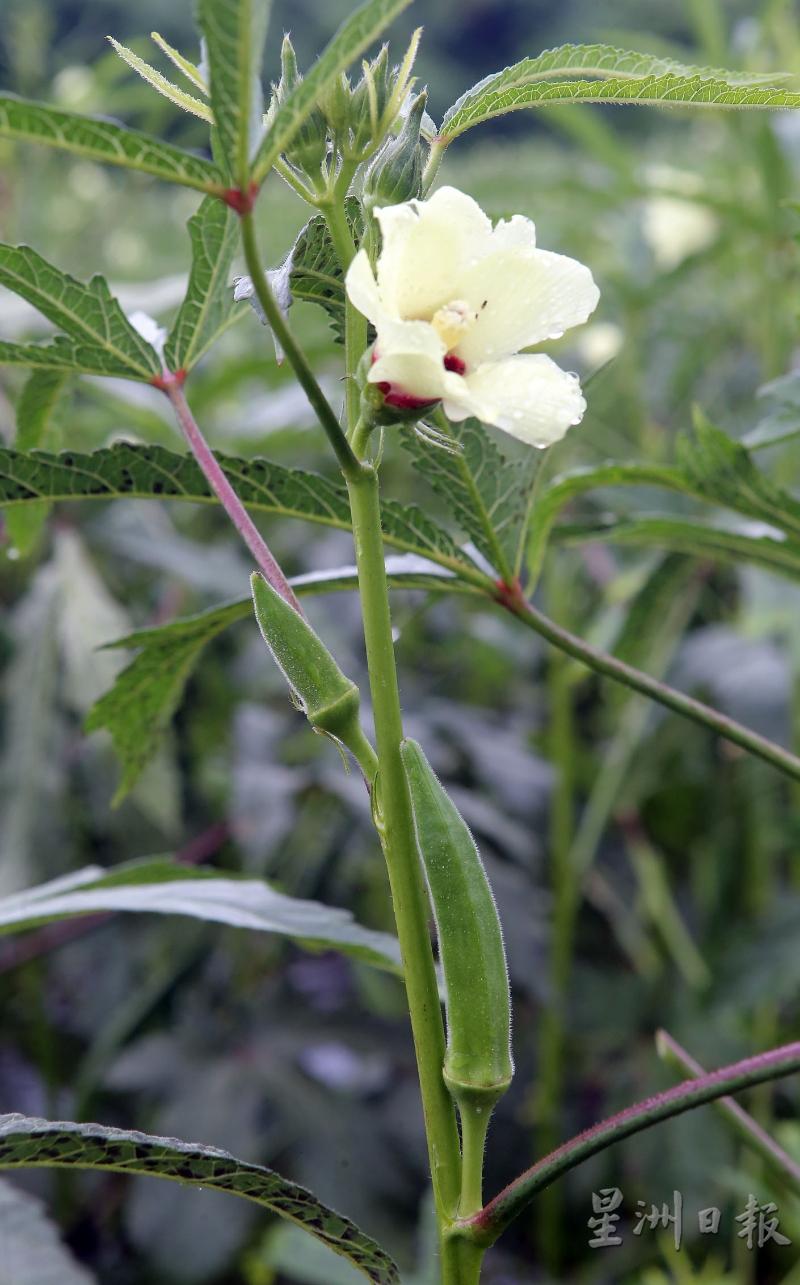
451, 362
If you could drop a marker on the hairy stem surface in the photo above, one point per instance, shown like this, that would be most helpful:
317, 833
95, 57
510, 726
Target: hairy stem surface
396, 828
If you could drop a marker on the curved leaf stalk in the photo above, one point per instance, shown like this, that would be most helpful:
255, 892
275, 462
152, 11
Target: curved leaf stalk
751, 1132
225, 493
485, 1227
348, 462
638, 681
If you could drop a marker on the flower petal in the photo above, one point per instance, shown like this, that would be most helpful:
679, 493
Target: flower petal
427, 248
523, 296
408, 355
362, 288
528, 396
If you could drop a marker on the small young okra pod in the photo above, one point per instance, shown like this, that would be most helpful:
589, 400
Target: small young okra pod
478, 1066
329, 700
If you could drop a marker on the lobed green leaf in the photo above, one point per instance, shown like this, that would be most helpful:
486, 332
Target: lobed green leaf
234, 31
668, 90
89, 314
35, 406
164, 887
596, 62
486, 493
354, 36
139, 706
316, 274
153, 472
207, 308
718, 468
106, 142
26, 1142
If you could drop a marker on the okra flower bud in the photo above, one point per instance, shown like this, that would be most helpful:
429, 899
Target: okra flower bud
395, 174
329, 700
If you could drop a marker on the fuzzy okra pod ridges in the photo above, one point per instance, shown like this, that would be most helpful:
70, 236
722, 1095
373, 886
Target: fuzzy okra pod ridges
328, 698
478, 1066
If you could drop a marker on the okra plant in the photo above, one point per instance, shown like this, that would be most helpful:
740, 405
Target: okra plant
437, 310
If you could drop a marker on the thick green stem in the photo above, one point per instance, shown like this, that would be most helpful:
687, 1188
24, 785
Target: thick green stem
396, 827
461, 1261
297, 358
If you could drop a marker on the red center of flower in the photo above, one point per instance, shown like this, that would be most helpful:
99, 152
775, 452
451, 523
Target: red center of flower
451, 362
395, 396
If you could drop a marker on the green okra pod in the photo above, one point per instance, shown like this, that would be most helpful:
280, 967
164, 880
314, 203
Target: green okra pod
478, 1066
328, 698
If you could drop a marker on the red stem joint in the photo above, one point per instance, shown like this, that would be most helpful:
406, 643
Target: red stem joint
510, 595
169, 379
241, 202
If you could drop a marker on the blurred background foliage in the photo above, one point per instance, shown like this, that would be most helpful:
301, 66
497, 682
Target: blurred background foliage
692, 907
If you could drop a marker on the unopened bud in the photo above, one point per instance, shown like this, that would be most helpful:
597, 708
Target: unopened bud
395, 174
309, 145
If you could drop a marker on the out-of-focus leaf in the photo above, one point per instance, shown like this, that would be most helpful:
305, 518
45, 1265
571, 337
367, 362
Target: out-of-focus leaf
88, 314
106, 142
500, 95
565, 488
31, 767
697, 538
58, 1144
153, 472
485, 492
140, 705
234, 32
32, 1252
354, 36
720, 469
88, 615
306, 1261
35, 406
208, 305
163, 887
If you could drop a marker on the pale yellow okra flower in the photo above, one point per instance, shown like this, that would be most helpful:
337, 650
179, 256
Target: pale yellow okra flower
453, 303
